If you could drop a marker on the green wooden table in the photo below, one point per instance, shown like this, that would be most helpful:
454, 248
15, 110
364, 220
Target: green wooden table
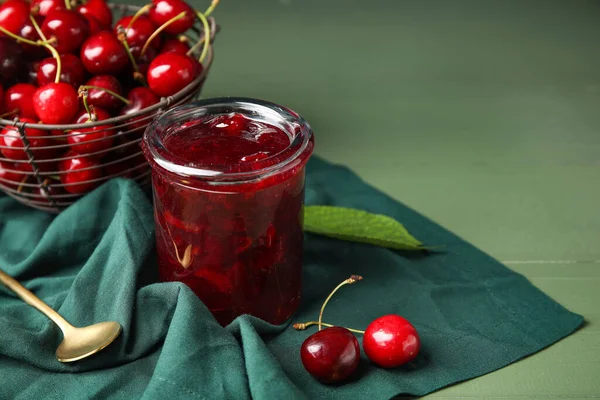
483, 115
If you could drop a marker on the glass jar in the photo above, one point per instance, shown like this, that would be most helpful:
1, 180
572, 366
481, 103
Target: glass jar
228, 185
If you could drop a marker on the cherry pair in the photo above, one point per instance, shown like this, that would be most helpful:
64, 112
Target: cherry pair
332, 355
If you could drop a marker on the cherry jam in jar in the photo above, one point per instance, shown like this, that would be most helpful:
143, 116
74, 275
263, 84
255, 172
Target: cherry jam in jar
228, 185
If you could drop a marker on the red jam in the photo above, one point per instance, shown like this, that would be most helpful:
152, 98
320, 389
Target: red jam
236, 244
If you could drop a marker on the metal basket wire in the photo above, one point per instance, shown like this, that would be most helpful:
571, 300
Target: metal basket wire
41, 187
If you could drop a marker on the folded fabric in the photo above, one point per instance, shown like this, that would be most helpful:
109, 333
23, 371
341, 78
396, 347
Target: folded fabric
96, 262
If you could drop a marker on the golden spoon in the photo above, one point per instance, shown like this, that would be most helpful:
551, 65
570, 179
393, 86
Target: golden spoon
77, 343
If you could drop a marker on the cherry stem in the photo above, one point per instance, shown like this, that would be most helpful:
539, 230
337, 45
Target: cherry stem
349, 281
159, 30
206, 40
19, 38
122, 36
58, 61
68, 4
211, 8
118, 96
138, 14
9, 113
300, 326
20, 188
37, 28
89, 109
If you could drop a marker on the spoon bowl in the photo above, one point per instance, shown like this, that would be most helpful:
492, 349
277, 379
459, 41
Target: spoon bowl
80, 343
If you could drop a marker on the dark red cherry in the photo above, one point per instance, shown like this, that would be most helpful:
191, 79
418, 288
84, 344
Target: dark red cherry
103, 99
68, 27
11, 138
1, 99
85, 141
76, 173
170, 72
139, 99
139, 32
391, 341
72, 71
164, 10
44, 7
8, 177
11, 61
99, 10
20, 97
56, 103
102, 53
95, 26
173, 45
43, 166
13, 15
331, 355
28, 32
143, 61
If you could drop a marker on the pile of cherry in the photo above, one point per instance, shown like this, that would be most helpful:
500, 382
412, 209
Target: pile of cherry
63, 62
332, 355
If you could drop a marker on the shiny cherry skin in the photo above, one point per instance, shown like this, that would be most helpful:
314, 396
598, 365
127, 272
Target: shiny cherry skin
331, 355
72, 71
102, 53
391, 341
11, 138
99, 10
78, 181
20, 97
56, 103
68, 27
139, 32
85, 141
139, 99
173, 45
102, 99
170, 72
164, 10
28, 32
13, 15
11, 60
44, 7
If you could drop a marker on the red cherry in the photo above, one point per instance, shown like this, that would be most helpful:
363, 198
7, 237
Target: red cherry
143, 62
331, 355
72, 174
9, 178
69, 28
173, 45
97, 9
20, 97
1, 99
391, 341
56, 103
85, 141
102, 53
42, 166
44, 7
29, 32
13, 15
95, 26
139, 99
11, 138
164, 10
72, 71
170, 72
102, 99
139, 32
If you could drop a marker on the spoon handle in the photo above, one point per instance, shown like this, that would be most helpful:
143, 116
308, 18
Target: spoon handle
34, 301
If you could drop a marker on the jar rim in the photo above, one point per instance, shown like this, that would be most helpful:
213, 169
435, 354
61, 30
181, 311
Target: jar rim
299, 149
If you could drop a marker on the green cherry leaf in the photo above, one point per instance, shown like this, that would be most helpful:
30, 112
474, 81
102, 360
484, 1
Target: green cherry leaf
359, 226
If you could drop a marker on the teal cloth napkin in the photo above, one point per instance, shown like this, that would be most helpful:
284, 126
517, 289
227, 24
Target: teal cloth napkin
96, 262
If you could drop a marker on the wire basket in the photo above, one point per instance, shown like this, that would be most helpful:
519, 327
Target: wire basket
38, 181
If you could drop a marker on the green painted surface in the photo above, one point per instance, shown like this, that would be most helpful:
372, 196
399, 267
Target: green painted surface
483, 115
